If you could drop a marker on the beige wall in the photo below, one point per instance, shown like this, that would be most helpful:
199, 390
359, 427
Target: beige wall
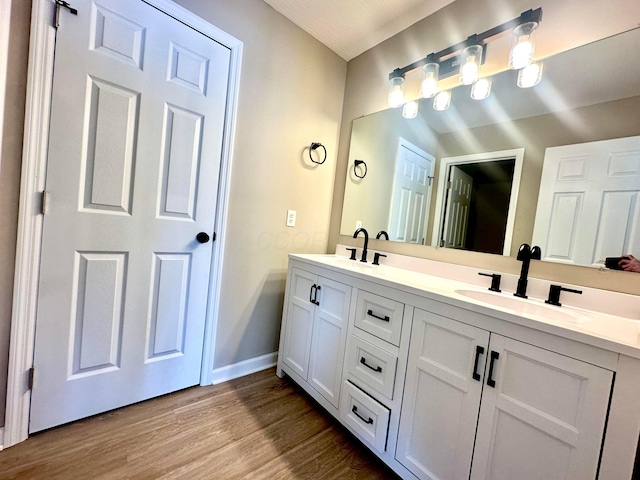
565, 25
291, 94
10, 173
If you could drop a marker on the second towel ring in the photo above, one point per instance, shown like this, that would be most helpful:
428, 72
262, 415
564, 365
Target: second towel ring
314, 146
355, 168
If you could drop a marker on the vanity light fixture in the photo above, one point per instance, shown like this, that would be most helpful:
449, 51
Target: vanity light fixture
522, 45
481, 89
429, 83
410, 109
530, 75
465, 58
442, 100
470, 64
396, 90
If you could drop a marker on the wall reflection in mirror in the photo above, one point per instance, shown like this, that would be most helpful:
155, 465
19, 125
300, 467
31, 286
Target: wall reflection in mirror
453, 178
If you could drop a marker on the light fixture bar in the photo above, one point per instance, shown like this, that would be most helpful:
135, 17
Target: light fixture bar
480, 39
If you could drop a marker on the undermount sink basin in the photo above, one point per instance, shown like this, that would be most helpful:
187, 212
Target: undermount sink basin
520, 305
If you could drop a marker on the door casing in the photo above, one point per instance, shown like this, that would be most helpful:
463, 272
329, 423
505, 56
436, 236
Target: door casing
443, 168
34, 164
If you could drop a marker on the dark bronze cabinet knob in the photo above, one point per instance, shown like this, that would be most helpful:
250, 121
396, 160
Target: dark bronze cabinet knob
202, 237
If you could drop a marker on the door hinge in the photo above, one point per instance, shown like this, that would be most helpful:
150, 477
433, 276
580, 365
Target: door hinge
43, 202
62, 4
30, 373
449, 185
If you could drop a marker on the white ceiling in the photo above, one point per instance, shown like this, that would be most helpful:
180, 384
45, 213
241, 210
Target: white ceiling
350, 27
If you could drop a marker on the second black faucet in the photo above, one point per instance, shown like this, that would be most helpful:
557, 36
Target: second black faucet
366, 243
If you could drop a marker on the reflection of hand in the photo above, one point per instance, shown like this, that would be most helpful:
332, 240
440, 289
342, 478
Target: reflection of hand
630, 264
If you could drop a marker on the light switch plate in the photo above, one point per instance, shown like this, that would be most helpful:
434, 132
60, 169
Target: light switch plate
291, 218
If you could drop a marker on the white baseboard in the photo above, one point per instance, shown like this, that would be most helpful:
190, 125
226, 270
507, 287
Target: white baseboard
245, 367
1, 438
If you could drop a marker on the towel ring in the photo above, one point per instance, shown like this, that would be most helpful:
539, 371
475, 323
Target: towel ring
355, 168
314, 146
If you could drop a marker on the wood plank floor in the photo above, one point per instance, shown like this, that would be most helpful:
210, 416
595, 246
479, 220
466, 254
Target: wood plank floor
254, 427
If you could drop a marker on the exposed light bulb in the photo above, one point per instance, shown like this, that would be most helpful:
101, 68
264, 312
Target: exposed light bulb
470, 64
410, 109
522, 45
396, 92
530, 75
429, 83
481, 89
442, 100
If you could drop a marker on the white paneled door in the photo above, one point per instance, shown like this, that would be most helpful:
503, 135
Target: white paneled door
134, 152
411, 194
457, 209
589, 205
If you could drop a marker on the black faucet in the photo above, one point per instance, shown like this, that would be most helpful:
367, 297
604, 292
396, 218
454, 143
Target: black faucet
382, 233
525, 255
366, 242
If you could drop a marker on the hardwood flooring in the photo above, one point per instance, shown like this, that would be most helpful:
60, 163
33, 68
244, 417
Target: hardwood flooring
257, 427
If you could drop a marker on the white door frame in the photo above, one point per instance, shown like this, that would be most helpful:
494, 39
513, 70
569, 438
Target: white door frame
443, 169
34, 163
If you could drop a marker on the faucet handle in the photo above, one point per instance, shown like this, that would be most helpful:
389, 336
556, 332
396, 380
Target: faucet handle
376, 258
495, 281
554, 294
353, 253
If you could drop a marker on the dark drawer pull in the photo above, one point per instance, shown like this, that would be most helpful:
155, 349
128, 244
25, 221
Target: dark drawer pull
490, 381
479, 351
365, 420
364, 362
371, 314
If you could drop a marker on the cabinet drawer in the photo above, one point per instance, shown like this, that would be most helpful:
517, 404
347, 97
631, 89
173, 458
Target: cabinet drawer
379, 316
364, 415
370, 366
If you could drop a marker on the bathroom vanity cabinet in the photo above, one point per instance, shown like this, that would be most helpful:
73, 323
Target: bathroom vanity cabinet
443, 390
542, 414
315, 331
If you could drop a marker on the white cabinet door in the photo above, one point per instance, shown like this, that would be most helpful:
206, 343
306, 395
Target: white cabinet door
299, 321
329, 338
315, 331
442, 397
544, 418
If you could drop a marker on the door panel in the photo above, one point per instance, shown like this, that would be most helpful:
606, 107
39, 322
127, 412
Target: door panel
457, 210
411, 194
545, 417
591, 210
137, 119
441, 397
329, 338
299, 322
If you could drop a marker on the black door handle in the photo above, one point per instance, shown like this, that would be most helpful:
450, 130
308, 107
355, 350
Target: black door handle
371, 314
363, 361
365, 420
490, 381
202, 237
479, 351
313, 294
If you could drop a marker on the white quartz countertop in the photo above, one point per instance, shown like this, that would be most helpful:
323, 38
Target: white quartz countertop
618, 333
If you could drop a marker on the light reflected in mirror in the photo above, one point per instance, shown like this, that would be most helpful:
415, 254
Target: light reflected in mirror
587, 94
